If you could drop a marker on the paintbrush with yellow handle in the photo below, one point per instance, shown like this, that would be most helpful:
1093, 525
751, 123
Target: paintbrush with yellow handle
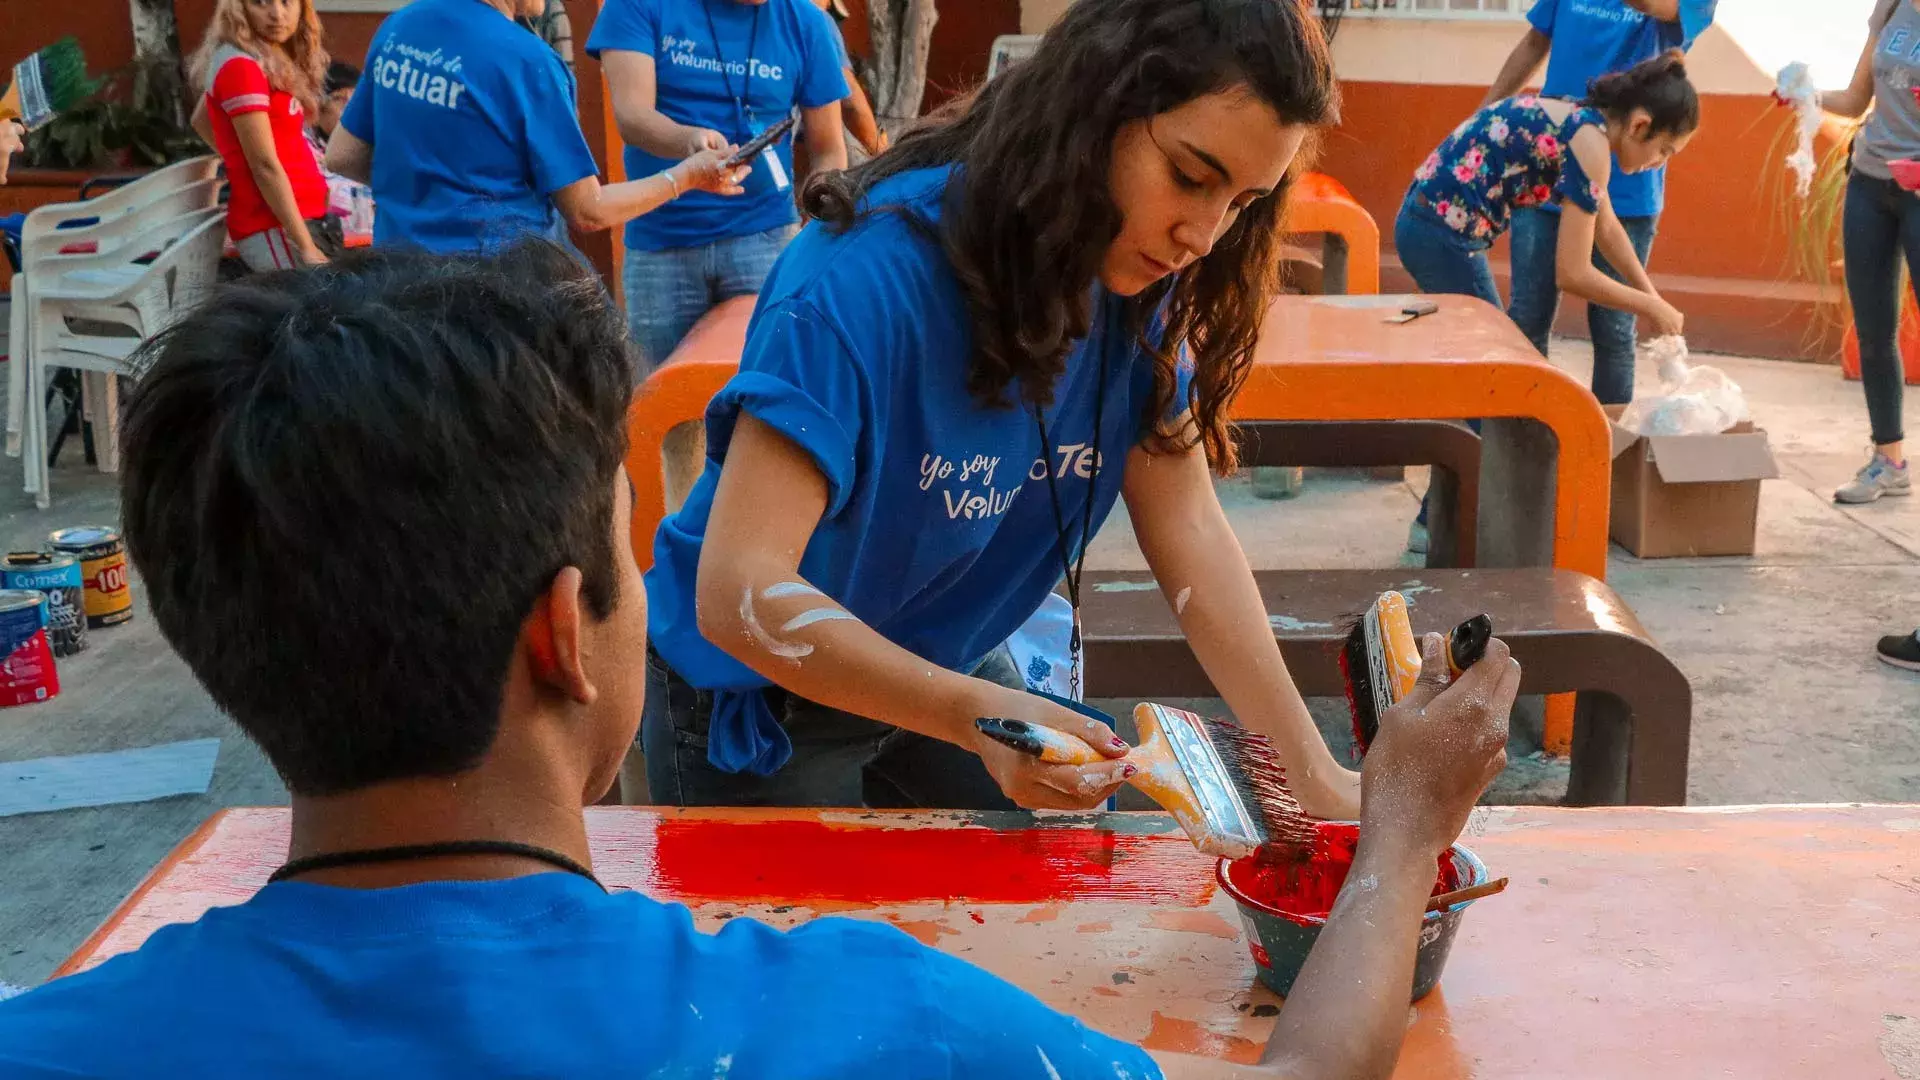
46, 84
1381, 660
1221, 782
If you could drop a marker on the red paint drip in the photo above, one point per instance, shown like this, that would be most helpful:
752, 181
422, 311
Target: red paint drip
801, 861
1304, 892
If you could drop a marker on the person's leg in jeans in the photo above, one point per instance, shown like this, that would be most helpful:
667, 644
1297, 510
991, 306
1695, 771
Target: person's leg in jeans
667, 292
1440, 261
915, 770
1876, 225
733, 267
831, 750
1614, 338
1535, 287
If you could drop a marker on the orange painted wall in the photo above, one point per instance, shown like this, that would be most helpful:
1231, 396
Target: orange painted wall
962, 40
100, 25
1720, 222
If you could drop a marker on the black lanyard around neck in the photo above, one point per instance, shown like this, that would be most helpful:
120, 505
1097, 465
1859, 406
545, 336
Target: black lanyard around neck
742, 111
1075, 567
440, 850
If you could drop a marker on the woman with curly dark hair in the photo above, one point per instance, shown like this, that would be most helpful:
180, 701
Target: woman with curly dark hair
1041, 301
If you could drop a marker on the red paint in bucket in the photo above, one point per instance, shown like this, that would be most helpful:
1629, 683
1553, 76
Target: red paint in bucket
27, 674
1304, 892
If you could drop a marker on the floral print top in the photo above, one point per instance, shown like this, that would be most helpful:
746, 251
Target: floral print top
1507, 155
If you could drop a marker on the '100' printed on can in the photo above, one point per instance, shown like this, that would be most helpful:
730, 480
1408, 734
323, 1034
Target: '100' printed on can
58, 576
103, 565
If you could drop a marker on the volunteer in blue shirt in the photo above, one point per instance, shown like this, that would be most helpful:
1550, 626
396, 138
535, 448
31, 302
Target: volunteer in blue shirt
464, 127
688, 75
1582, 40
955, 371
440, 913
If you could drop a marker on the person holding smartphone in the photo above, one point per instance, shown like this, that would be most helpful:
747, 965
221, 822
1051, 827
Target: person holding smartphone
464, 125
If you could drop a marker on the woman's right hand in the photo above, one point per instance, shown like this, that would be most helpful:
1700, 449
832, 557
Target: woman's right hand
1666, 319
708, 171
1036, 784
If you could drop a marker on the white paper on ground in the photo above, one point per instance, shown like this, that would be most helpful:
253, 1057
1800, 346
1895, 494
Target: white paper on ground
119, 776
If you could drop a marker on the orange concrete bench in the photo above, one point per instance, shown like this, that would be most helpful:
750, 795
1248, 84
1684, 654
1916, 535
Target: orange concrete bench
1546, 449
1321, 204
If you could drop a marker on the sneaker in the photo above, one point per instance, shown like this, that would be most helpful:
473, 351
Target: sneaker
1902, 651
1880, 477
1417, 538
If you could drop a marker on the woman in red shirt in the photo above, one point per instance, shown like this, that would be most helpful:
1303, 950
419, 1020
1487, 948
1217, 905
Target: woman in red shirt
263, 67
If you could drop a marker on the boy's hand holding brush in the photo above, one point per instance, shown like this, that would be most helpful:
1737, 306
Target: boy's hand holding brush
1437, 749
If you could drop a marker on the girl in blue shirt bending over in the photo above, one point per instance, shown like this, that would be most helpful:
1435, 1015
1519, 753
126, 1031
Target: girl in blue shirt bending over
1039, 303
1527, 151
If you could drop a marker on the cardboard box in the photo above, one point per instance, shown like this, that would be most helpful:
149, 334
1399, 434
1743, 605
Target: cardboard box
1679, 495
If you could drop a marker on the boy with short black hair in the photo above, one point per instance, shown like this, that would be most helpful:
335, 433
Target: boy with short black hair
380, 511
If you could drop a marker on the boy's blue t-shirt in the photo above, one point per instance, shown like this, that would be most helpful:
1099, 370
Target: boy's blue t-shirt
1592, 38
535, 976
771, 58
940, 531
473, 128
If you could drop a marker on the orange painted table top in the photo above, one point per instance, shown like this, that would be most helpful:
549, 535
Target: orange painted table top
1672, 942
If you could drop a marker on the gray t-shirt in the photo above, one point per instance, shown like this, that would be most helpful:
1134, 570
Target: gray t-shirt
1892, 131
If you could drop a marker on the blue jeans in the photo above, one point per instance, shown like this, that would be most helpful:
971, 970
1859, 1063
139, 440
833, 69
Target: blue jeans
1441, 260
1879, 226
668, 291
839, 759
1536, 297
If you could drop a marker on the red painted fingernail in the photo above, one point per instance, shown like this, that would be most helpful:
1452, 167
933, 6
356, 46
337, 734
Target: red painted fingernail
1127, 771
1118, 744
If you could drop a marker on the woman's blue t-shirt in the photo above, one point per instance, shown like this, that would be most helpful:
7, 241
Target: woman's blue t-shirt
939, 530
471, 118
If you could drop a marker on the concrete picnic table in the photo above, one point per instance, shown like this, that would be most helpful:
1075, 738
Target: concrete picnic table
1546, 452
1672, 942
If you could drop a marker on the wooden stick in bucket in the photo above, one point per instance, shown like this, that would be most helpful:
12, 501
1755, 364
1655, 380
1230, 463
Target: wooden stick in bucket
1460, 896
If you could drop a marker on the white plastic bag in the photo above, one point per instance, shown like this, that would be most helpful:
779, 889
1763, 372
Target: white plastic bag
1795, 86
1043, 648
1691, 401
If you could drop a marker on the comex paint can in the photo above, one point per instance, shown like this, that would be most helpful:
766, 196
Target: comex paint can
103, 567
58, 576
27, 673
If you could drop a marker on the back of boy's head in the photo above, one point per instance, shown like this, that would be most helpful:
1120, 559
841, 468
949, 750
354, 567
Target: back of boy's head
341, 76
346, 488
1659, 86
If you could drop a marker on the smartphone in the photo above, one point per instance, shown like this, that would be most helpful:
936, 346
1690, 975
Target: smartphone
1413, 310
760, 142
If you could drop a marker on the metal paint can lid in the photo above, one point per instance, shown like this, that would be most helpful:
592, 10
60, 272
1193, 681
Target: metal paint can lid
83, 536
37, 560
20, 599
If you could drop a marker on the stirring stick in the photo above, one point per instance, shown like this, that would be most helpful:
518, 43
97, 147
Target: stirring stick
1460, 896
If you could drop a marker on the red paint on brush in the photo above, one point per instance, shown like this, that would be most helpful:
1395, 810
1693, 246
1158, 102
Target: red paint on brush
1304, 892
799, 862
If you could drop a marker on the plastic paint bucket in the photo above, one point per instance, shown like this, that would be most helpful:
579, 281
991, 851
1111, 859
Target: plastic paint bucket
1283, 907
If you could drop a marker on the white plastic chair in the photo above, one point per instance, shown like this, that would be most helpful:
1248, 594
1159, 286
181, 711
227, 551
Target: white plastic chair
143, 297
110, 220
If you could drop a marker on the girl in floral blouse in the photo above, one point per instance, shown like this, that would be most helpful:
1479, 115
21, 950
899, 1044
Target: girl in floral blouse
1529, 150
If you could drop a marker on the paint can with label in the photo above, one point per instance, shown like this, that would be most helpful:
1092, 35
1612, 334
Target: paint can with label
27, 673
103, 568
58, 576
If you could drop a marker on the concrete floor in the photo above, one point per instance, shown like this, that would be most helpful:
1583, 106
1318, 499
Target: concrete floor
1789, 703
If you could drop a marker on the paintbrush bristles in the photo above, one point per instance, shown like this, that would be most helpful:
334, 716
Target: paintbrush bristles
1260, 779
63, 68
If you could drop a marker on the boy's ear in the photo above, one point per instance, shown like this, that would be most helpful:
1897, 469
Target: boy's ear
550, 638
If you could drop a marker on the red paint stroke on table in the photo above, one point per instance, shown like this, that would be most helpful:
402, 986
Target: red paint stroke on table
805, 862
